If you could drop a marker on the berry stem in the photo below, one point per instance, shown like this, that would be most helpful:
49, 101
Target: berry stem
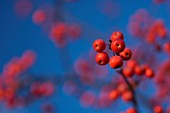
134, 101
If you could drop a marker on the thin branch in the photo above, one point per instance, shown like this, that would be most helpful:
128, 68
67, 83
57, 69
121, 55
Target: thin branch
134, 101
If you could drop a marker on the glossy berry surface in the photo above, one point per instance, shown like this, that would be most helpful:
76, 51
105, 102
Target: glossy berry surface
118, 46
99, 45
116, 62
126, 54
117, 35
102, 58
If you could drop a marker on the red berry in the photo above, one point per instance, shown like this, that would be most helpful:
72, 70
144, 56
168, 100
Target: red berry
128, 72
99, 45
127, 96
131, 110
149, 73
117, 35
166, 47
131, 64
102, 58
113, 95
116, 62
158, 109
118, 45
126, 54
139, 70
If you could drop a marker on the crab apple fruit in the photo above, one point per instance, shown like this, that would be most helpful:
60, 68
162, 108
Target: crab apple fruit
126, 54
113, 95
127, 96
99, 45
128, 72
158, 109
131, 110
118, 46
117, 35
139, 70
116, 62
102, 58
149, 73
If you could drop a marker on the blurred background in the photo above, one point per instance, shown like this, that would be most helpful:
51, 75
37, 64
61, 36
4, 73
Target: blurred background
47, 62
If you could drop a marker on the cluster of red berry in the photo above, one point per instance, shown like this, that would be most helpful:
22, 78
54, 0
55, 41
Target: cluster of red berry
117, 45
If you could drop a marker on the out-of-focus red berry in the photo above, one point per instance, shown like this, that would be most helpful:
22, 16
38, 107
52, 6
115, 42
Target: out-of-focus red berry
139, 70
102, 58
127, 96
113, 95
116, 62
131, 110
158, 109
149, 73
131, 64
122, 87
166, 47
87, 99
117, 35
118, 46
99, 45
39, 17
126, 54
128, 72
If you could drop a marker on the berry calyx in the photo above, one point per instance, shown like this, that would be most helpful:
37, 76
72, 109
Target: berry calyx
126, 54
118, 46
99, 45
102, 58
116, 62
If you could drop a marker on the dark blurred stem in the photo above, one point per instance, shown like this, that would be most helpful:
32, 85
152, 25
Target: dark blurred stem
134, 101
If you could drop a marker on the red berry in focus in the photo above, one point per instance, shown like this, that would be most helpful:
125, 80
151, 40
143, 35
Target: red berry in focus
117, 35
149, 73
126, 54
102, 58
127, 96
131, 110
139, 70
158, 109
128, 72
166, 47
116, 62
118, 45
99, 45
